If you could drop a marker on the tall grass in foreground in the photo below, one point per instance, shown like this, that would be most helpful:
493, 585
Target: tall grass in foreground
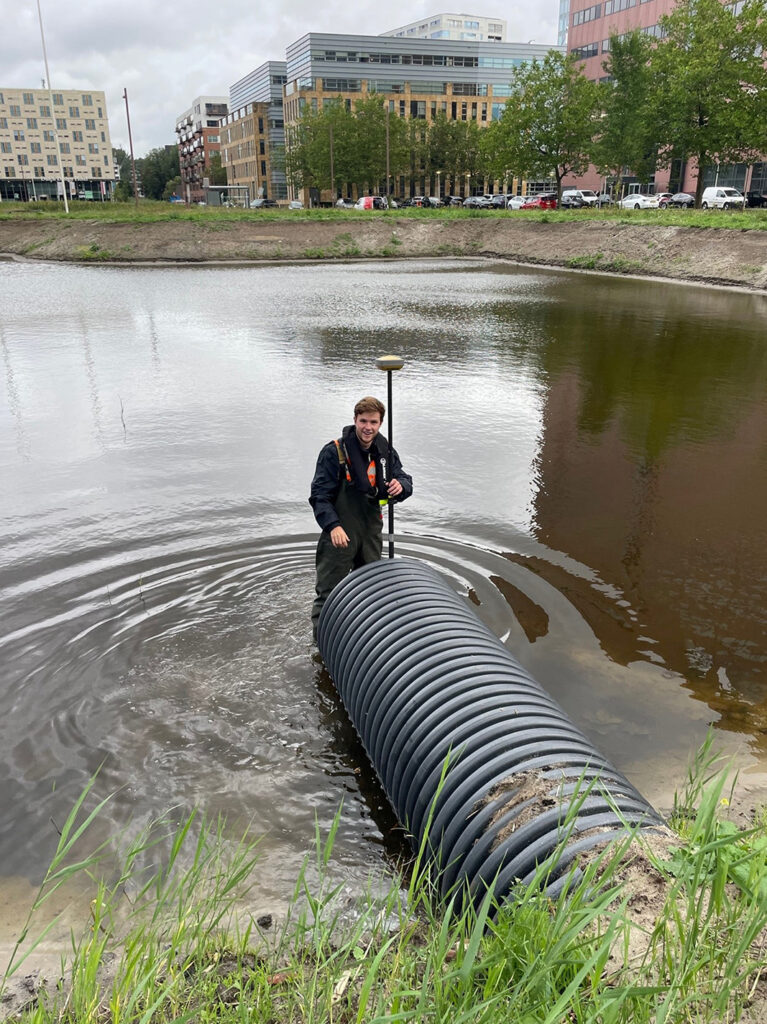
185, 952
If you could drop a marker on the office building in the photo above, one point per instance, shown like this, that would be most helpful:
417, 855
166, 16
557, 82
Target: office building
589, 30
253, 132
45, 135
453, 26
416, 78
197, 131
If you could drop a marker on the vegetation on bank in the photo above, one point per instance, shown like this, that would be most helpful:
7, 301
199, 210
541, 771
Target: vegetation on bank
186, 950
217, 218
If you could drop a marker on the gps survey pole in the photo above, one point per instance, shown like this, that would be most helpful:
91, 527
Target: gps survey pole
390, 363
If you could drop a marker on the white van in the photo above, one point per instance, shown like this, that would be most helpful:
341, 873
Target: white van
718, 198
586, 195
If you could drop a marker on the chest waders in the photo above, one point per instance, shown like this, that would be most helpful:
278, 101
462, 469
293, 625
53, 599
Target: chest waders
361, 517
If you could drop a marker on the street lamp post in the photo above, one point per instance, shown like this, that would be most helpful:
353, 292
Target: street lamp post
389, 364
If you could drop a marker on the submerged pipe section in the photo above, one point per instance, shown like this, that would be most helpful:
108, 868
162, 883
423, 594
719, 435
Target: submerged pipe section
427, 684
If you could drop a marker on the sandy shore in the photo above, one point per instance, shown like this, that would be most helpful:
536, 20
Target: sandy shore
711, 255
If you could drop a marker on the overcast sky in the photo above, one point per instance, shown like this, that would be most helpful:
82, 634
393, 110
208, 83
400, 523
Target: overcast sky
167, 54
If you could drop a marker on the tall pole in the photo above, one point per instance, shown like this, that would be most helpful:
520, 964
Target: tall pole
53, 112
130, 143
390, 363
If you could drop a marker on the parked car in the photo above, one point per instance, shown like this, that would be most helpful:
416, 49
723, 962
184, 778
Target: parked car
499, 202
473, 201
262, 204
718, 198
589, 197
681, 200
452, 201
345, 203
514, 202
295, 204
370, 203
570, 201
544, 201
639, 201
756, 198
605, 199
663, 198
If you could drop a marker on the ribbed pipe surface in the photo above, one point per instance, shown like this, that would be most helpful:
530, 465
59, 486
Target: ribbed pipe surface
423, 680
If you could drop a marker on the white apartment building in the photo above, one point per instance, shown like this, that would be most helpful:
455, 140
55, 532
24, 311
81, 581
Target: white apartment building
29, 150
454, 26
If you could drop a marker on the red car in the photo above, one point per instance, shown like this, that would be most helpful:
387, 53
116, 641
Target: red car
545, 201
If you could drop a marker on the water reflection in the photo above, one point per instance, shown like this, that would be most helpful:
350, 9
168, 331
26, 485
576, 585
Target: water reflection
589, 461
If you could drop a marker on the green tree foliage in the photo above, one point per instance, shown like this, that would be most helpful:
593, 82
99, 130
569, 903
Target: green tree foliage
156, 169
712, 83
352, 142
548, 126
172, 188
629, 136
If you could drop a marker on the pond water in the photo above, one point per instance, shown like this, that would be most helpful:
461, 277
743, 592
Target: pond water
590, 466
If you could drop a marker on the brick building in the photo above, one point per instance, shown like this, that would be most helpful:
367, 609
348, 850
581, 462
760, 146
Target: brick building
197, 130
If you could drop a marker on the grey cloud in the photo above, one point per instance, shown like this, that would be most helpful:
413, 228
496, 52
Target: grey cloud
165, 56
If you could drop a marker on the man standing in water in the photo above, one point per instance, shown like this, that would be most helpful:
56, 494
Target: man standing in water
355, 476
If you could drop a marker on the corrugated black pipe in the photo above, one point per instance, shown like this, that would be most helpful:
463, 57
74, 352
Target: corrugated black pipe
423, 681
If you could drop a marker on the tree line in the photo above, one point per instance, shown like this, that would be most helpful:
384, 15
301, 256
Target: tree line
697, 92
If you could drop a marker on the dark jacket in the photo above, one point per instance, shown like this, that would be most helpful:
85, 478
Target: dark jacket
329, 475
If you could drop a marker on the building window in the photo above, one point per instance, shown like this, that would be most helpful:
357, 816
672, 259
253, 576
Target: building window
588, 14
28, 98
3, 122
80, 160
99, 112
263, 168
64, 147
470, 24
9, 172
68, 172
106, 161
103, 137
39, 172
48, 135
18, 135
93, 147
61, 124
262, 147
613, 6
22, 159
6, 147
90, 124
45, 110
74, 111
52, 160
584, 52
77, 136
87, 100
15, 110
58, 99
35, 147
95, 172
31, 122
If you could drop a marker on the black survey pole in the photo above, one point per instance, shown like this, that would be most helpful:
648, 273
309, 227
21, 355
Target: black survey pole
390, 363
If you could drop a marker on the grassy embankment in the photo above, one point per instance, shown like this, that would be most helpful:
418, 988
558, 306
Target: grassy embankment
584, 959
150, 212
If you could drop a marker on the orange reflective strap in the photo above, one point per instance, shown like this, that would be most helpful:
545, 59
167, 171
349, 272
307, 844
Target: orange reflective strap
342, 459
372, 472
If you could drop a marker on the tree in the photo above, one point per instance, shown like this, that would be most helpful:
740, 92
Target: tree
172, 188
548, 126
629, 138
712, 83
156, 169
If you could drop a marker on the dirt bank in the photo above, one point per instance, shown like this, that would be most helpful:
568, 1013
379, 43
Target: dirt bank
717, 256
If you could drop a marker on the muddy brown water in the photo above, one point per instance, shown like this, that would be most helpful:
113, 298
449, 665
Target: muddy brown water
590, 466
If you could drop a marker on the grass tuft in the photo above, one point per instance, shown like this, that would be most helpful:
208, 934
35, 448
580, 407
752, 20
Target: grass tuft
185, 946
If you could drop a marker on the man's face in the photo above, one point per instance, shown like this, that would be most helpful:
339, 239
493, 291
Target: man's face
366, 426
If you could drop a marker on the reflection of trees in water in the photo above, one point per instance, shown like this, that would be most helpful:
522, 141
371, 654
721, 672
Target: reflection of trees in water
653, 470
